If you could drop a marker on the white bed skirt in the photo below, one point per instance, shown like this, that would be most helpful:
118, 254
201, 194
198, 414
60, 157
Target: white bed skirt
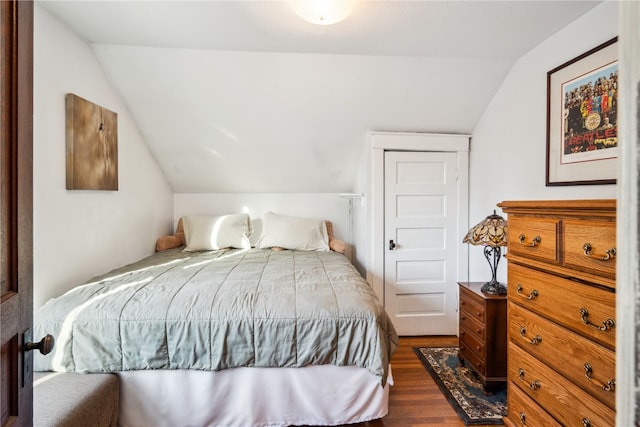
314, 395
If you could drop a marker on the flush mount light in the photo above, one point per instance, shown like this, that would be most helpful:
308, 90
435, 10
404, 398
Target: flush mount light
323, 12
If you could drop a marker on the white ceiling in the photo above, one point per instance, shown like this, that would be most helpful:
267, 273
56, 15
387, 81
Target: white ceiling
245, 96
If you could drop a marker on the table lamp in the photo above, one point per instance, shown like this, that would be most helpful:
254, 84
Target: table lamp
492, 234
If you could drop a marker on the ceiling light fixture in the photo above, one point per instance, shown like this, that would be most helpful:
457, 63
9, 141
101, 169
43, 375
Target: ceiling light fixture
323, 12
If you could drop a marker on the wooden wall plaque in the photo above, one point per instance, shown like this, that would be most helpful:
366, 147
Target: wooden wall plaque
92, 145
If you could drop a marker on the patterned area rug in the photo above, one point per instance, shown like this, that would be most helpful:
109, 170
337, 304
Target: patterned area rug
461, 387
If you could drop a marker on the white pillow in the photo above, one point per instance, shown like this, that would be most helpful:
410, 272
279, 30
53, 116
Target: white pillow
292, 232
206, 233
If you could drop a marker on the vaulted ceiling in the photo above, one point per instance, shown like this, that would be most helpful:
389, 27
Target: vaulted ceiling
246, 96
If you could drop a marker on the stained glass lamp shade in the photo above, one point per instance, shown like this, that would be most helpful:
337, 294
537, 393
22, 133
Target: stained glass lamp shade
492, 234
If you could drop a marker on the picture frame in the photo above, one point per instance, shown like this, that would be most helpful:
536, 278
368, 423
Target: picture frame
582, 126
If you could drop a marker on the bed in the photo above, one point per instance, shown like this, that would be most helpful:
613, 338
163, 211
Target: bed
253, 336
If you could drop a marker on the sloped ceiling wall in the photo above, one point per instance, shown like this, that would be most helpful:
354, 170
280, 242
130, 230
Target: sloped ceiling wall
247, 97
287, 122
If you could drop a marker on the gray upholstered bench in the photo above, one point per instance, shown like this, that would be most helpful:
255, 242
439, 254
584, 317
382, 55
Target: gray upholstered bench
69, 399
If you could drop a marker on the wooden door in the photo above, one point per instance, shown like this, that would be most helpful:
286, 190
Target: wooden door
16, 128
420, 222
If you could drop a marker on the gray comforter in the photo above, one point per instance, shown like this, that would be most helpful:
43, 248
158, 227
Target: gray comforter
217, 310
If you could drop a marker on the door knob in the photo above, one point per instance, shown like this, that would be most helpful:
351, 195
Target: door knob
44, 346
392, 245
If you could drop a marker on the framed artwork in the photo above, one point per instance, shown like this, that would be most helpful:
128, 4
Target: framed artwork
92, 145
582, 120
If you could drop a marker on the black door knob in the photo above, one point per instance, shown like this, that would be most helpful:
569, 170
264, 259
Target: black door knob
44, 346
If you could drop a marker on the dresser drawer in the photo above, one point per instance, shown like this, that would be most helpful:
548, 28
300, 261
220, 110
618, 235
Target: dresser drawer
585, 309
590, 246
534, 237
566, 402
570, 354
523, 411
471, 341
471, 307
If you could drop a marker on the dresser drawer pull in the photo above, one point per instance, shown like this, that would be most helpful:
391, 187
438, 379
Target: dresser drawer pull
533, 386
532, 295
523, 418
608, 386
535, 340
586, 422
608, 255
535, 242
606, 325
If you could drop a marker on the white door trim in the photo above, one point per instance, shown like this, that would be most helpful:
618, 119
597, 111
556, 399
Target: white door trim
628, 240
398, 141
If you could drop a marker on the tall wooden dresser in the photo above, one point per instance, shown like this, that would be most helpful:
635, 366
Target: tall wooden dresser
561, 312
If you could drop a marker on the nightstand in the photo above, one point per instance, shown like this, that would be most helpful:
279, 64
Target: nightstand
483, 334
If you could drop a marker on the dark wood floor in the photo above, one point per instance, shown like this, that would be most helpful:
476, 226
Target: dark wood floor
415, 399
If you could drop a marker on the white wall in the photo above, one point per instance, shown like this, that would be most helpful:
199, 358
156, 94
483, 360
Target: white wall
79, 234
360, 220
508, 147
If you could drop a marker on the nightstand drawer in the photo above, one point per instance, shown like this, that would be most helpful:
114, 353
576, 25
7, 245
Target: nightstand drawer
534, 237
470, 323
470, 341
474, 309
472, 358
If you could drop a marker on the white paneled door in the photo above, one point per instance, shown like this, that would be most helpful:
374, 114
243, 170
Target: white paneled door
420, 223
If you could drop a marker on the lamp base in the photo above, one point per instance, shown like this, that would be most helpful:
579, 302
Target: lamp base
494, 288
